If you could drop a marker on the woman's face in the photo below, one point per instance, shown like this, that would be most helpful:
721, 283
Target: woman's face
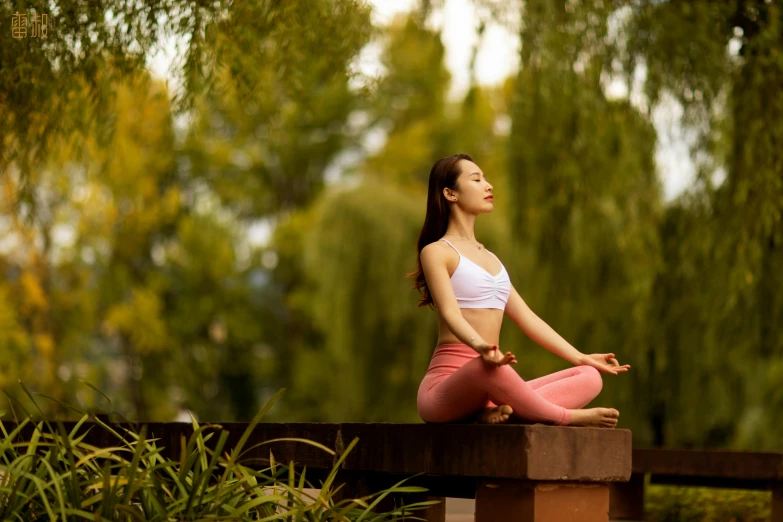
474, 192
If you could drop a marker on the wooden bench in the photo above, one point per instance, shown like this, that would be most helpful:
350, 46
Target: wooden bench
515, 472
709, 468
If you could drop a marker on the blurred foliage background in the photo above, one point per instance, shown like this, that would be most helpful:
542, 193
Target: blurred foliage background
129, 211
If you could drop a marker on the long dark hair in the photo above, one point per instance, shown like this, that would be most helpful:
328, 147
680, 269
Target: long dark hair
443, 174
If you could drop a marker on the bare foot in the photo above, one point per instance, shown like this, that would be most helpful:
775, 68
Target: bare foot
495, 415
595, 417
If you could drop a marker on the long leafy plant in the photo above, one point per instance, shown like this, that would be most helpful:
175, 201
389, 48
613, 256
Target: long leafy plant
48, 473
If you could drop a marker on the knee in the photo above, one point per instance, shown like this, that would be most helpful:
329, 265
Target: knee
593, 377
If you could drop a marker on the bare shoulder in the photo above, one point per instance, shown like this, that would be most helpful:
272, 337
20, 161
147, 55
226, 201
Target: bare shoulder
434, 263
434, 256
435, 246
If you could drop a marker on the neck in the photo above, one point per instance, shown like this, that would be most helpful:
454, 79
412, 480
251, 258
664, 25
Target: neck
460, 236
461, 226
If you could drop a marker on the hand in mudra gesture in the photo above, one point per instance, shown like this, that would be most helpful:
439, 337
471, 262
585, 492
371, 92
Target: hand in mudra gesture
605, 362
491, 354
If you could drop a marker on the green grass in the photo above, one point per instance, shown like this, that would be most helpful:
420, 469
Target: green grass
55, 475
698, 504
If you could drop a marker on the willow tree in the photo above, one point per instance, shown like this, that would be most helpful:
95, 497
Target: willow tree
59, 49
99, 206
586, 197
354, 343
421, 124
278, 114
409, 103
260, 46
721, 62
126, 279
368, 345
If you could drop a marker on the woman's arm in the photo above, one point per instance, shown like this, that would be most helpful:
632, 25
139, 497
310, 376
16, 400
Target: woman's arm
433, 263
540, 332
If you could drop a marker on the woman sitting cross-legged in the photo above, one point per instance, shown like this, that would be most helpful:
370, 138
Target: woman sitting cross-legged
469, 377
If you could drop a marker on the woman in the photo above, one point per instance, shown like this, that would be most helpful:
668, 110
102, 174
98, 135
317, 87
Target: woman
469, 378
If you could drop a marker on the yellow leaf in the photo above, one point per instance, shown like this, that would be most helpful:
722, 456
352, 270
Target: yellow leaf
45, 344
32, 293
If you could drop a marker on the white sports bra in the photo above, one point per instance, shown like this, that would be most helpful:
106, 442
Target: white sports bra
474, 287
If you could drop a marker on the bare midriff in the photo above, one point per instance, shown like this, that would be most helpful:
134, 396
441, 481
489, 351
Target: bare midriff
486, 321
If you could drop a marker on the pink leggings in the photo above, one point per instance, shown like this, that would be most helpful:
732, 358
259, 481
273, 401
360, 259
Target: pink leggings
458, 384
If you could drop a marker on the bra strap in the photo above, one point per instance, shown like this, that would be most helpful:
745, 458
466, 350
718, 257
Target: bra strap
452, 246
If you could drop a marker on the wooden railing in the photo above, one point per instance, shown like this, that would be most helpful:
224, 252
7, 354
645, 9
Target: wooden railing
710, 468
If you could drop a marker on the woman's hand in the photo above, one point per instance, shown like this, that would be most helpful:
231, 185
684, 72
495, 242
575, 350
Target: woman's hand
605, 362
491, 354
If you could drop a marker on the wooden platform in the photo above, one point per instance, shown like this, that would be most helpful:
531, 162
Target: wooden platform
524, 473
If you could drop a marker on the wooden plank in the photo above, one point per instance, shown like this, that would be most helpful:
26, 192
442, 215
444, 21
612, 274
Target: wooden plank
534, 452
710, 482
716, 464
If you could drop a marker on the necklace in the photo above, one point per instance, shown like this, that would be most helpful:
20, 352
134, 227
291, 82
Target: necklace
478, 245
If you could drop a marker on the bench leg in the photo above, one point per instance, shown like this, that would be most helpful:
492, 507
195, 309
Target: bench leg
626, 499
526, 501
777, 503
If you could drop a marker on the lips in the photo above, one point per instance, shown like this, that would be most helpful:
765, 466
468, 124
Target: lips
491, 198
